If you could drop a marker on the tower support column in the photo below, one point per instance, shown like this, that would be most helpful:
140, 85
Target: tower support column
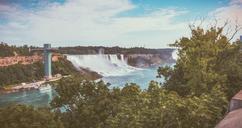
47, 61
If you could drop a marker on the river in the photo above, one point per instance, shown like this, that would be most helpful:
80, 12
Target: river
42, 98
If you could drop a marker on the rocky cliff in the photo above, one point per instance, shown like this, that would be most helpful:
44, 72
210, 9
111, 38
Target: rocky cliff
146, 60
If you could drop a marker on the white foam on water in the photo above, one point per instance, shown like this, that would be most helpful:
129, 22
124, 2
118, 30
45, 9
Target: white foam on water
104, 64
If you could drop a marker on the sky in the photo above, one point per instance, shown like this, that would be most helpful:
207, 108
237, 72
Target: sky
125, 23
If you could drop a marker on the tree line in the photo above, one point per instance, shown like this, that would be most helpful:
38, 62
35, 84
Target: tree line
7, 50
112, 50
11, 50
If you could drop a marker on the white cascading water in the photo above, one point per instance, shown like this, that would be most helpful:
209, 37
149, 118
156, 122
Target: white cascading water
175, 54
104, 64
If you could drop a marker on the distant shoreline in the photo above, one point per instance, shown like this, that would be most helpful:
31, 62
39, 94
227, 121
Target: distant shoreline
28, 86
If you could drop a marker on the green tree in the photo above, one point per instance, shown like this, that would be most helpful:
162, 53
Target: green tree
206, 60
21, 116
7, 50
158, 107
87, 104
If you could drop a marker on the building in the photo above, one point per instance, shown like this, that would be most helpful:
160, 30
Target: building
233, 119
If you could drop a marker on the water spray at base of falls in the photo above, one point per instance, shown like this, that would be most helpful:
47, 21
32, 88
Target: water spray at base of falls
103, 64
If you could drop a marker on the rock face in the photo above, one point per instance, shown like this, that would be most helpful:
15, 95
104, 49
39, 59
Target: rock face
7, 61
90, 75
147, 60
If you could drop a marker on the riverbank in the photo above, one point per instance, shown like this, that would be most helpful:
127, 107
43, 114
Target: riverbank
29, 86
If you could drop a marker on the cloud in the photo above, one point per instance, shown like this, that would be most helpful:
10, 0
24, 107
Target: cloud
90, 22
236, 2
231, 13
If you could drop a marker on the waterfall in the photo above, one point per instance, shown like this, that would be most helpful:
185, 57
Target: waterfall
104, 64
175, 54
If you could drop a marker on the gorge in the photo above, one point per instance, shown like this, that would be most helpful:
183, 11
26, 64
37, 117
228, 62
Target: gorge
116, 69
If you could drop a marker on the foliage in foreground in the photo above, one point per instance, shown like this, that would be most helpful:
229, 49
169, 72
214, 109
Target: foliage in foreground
21, 116
95, 105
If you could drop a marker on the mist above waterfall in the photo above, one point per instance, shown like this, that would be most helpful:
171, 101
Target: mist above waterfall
104, 64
